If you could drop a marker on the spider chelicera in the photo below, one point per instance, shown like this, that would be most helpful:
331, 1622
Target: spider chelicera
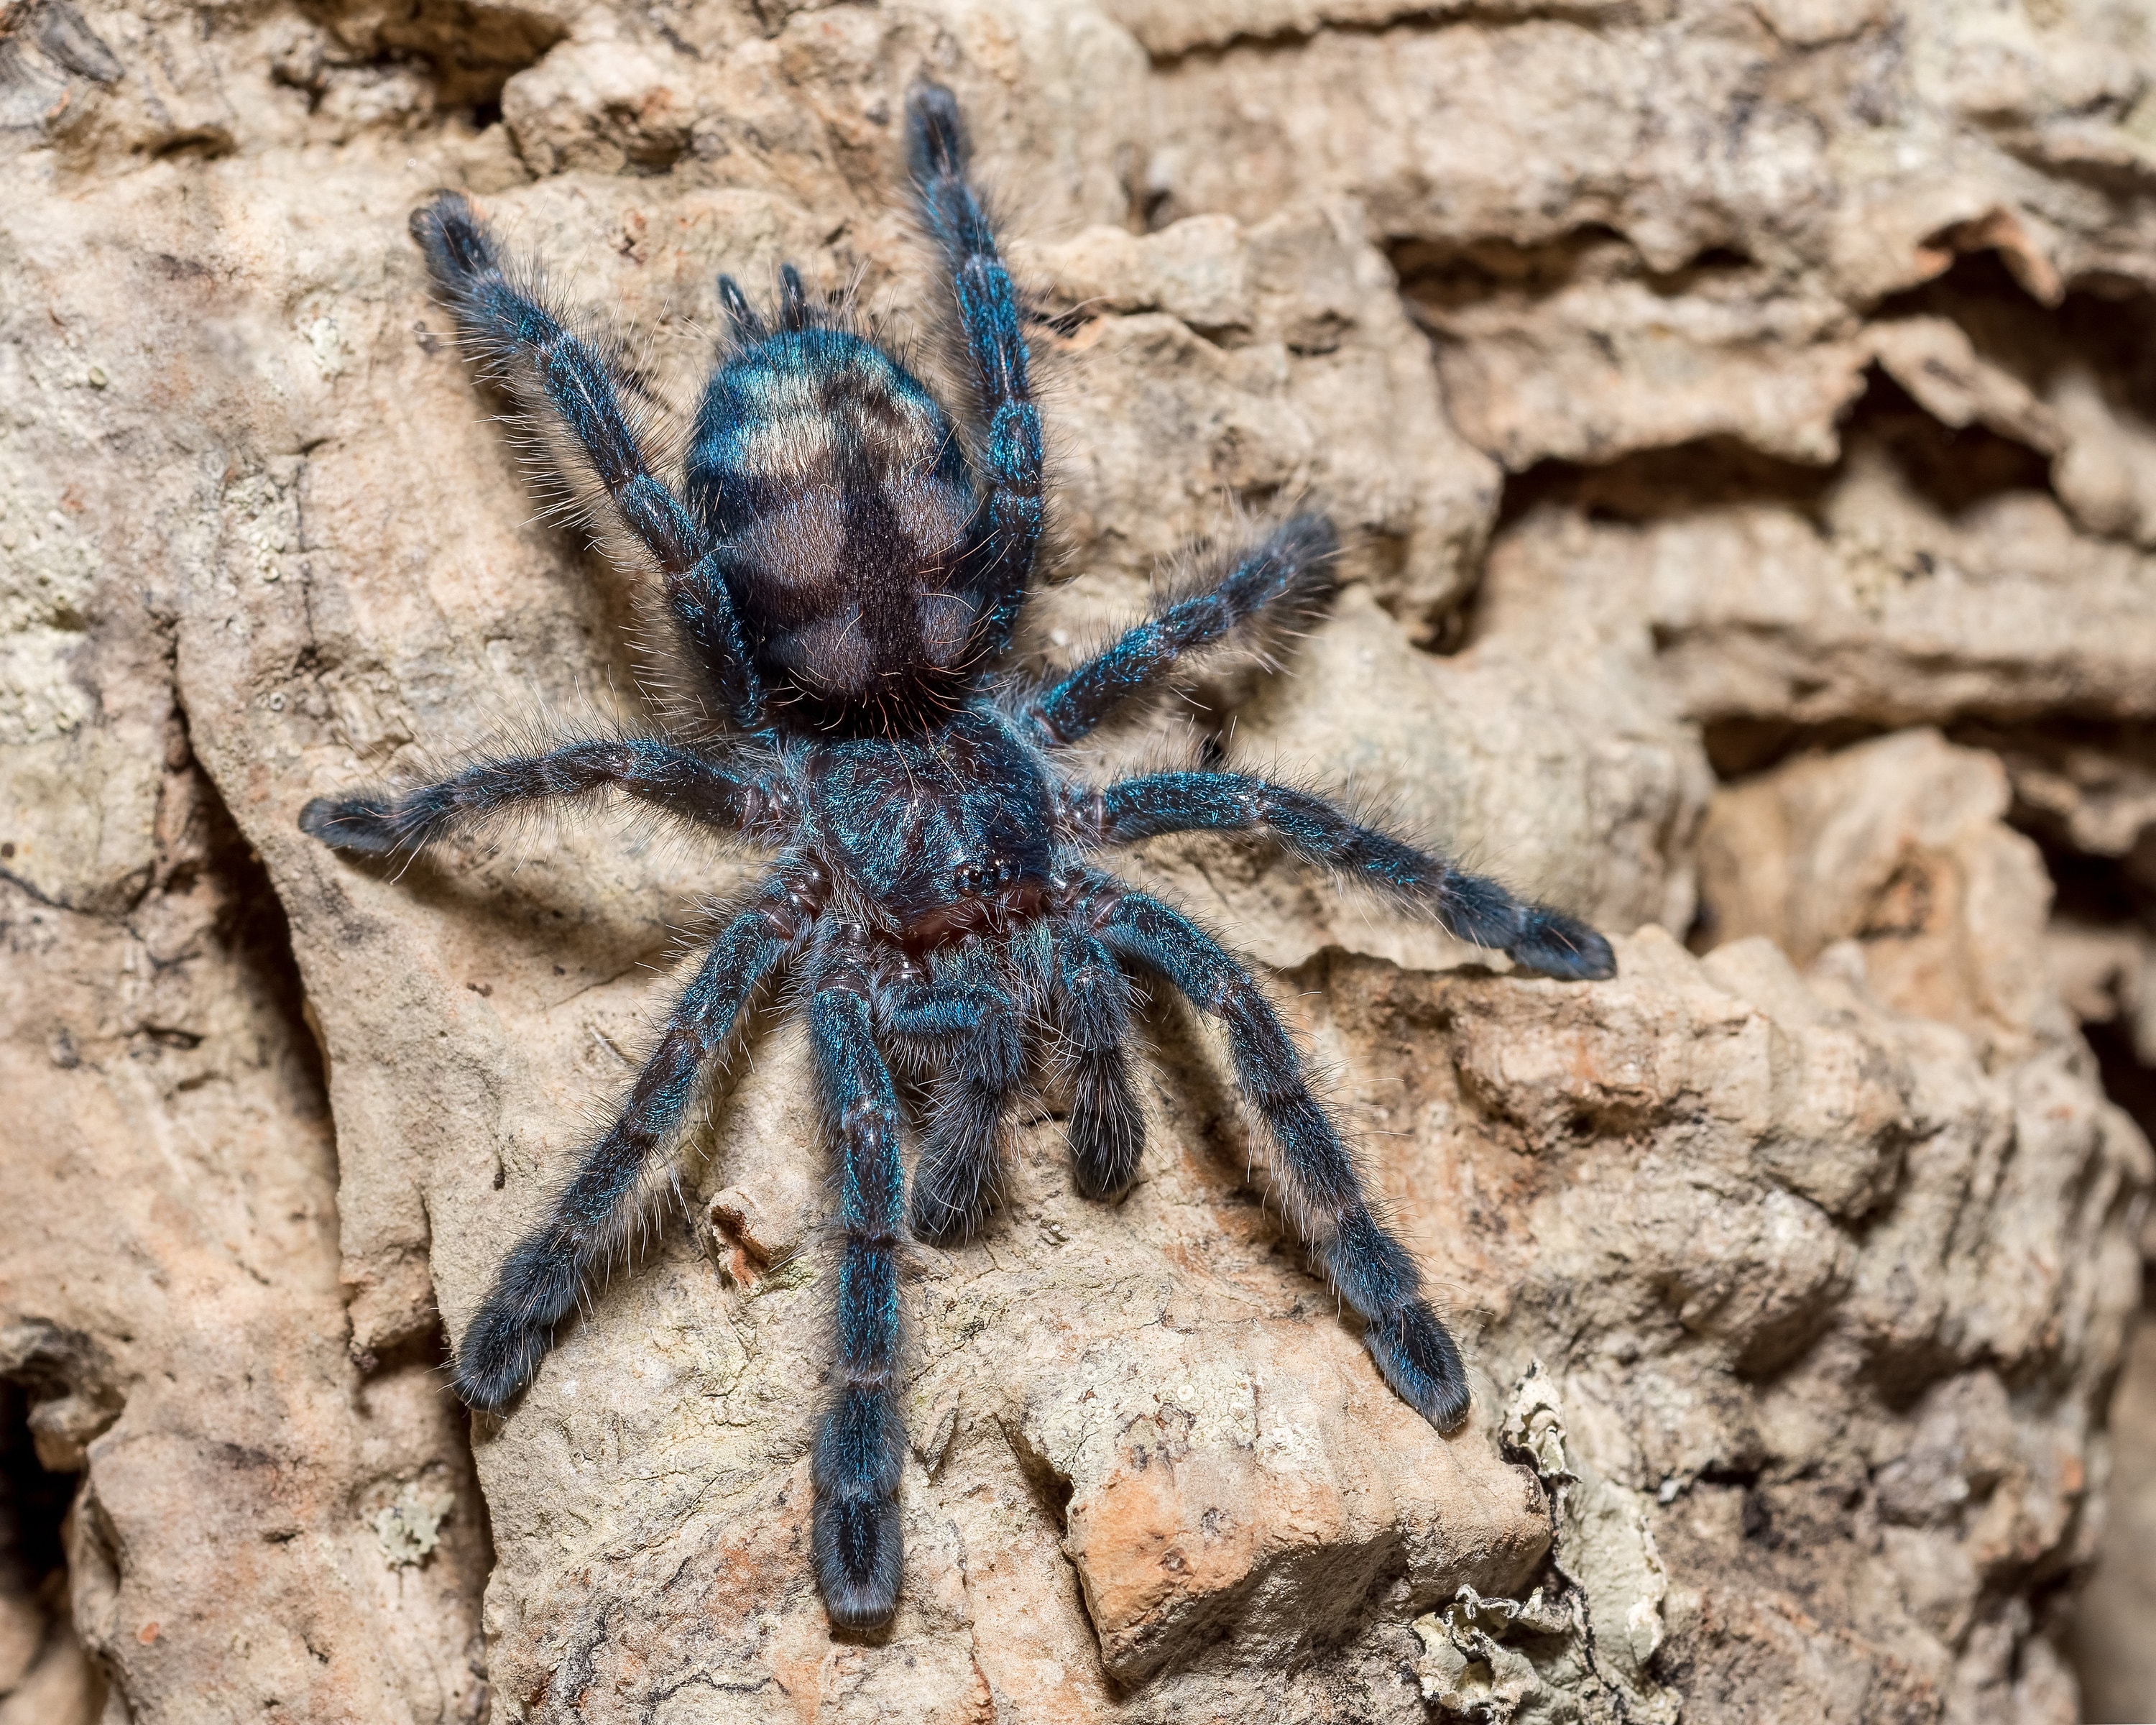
842, 570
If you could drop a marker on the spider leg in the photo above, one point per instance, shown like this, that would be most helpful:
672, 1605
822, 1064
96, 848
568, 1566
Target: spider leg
654, 772
1372, 1270
1285, 577
860, 1448
1009, 533
1471, 906
969, 1013
1093, 1001
538, 1283
510, 324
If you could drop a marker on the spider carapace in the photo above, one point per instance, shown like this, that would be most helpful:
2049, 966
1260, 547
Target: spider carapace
841, 568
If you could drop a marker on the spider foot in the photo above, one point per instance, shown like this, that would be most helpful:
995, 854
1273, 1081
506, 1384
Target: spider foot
940, 145
1419, 1359
502, 1347
859, 1453
1562, 947
358, 824
858, 1559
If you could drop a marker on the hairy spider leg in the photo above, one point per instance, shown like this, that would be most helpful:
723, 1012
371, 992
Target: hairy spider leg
673, 779
1471, 906
1285, 578
514, 326
971, 1013
592, 1218
1094, 1005
1007, 534
1372, 1271
860, 1448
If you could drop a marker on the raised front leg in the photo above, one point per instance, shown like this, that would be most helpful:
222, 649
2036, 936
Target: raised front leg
1471, 906
592, 1221
1007, 537
860, 1450
533, 352
656, 773
1284, 579
1372, 1270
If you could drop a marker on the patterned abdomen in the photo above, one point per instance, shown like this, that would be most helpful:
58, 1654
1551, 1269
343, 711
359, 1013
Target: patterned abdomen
843, 490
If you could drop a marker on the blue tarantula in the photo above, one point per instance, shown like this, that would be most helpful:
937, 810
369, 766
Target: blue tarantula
843, 569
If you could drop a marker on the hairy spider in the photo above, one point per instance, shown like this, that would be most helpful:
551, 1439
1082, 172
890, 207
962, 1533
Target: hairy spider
844, 586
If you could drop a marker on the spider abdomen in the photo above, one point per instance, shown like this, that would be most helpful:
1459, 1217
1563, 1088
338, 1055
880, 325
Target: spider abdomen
843, 490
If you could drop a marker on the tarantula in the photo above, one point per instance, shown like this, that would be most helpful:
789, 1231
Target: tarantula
843, 569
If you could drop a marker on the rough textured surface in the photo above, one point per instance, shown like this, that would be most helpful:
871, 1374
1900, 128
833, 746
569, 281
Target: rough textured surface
2109, 1629
1745, 418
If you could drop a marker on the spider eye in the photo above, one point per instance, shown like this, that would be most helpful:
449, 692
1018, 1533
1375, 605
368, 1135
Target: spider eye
968, 877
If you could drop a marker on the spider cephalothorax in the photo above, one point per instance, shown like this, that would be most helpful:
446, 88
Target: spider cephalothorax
843, 581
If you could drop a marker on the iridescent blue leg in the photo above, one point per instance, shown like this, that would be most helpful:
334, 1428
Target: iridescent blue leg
1009, 533
1471, 906
1372, 1270
378, 824
1283, 580
591, 1219
537, 354
860, 1448
974, 1028
1093, 1006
